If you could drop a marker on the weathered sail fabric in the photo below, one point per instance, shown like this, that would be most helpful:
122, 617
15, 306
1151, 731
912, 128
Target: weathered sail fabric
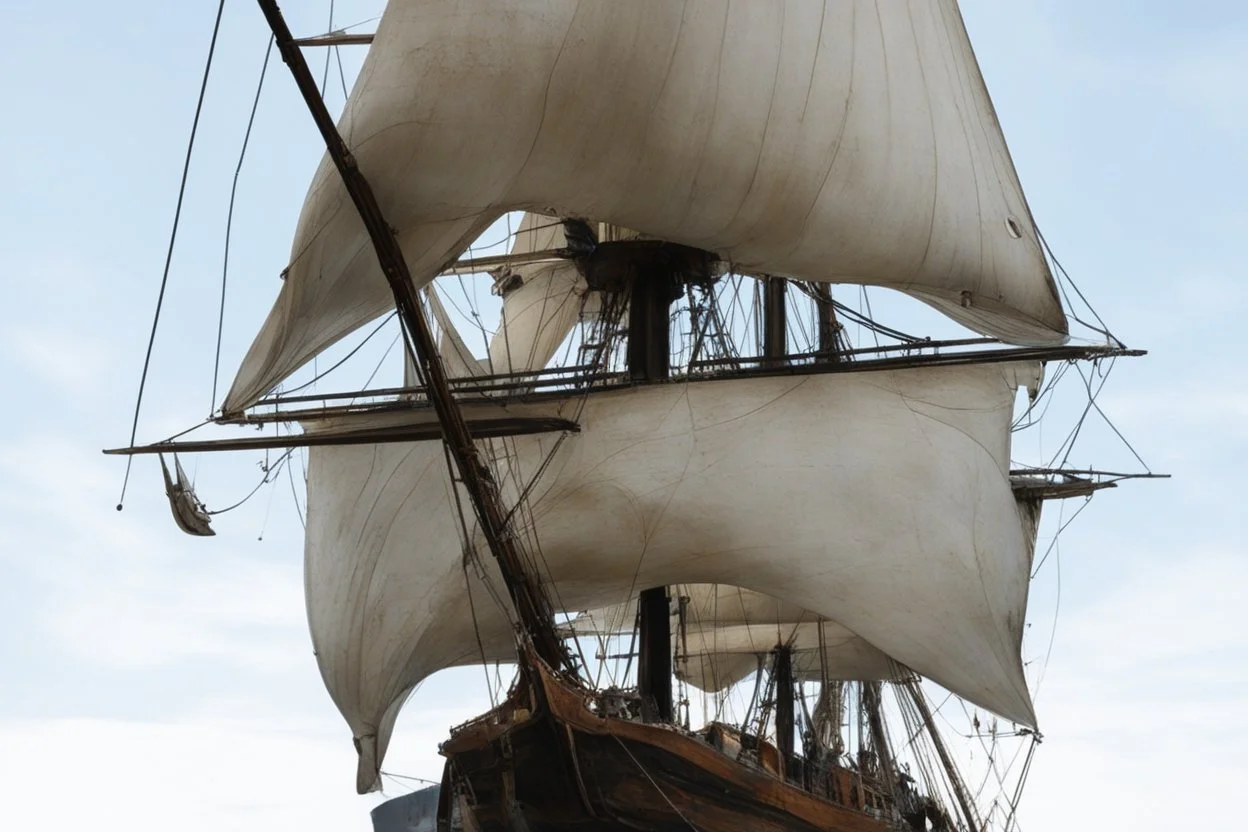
880, 500
539, 314
727, 629
188, 512
457, 358
718, 657
843, 141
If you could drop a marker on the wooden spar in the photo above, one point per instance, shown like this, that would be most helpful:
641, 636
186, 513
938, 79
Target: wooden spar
799, 364
531, 606
479, 428
473, 265
1061, 484
775, 331
1043, 488
1065, 352
335, 39
782, 675
654, 664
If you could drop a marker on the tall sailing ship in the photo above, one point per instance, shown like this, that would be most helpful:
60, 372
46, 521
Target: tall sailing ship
671, 472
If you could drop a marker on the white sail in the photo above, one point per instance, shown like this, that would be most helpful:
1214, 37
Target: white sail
456, 357
541, 305
843, 141
714, 658
880, 500
727, 629
539, 312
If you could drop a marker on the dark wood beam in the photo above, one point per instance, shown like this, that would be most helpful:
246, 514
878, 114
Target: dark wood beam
649, 327
532, 608
775, 320
782, 675
1064, 483
335, 39
556, 378
479, 428
654, 664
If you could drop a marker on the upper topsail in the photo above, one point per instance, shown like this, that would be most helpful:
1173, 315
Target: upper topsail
843, 141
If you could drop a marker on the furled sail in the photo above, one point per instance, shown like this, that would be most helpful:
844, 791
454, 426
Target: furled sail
188, 512
880, 500
726, 629
842, 141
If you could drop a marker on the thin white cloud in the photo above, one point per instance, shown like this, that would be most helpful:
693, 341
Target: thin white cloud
1139, 736
128, 590
209, 775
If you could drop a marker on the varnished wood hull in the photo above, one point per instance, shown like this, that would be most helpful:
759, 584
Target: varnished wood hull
564, 768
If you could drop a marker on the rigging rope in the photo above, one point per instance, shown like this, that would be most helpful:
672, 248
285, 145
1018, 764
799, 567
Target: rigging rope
344, 359
1022, 781
294, 494
229, 220
325, 75
173, 236
657, 788
1103, 329
270, 475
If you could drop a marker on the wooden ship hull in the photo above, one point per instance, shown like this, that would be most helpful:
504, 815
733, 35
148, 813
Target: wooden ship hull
544, 762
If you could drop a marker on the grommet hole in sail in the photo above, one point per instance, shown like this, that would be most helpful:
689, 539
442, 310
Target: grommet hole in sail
1012, 226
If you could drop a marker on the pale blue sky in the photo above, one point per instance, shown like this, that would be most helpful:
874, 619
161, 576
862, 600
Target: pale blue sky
144, 670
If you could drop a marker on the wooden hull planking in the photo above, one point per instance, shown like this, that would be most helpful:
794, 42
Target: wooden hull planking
560, 767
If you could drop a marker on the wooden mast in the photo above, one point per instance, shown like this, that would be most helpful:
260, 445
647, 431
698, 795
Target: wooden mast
649, 359
782, 675
775, 330
649, 324
654, 663
531, 606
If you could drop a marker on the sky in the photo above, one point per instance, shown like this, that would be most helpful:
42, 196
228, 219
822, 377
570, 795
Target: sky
148, 675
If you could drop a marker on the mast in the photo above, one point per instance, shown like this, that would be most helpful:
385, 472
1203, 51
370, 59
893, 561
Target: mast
782, 674
649, 324
531, 606
649, 359
775, 335
654, 663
